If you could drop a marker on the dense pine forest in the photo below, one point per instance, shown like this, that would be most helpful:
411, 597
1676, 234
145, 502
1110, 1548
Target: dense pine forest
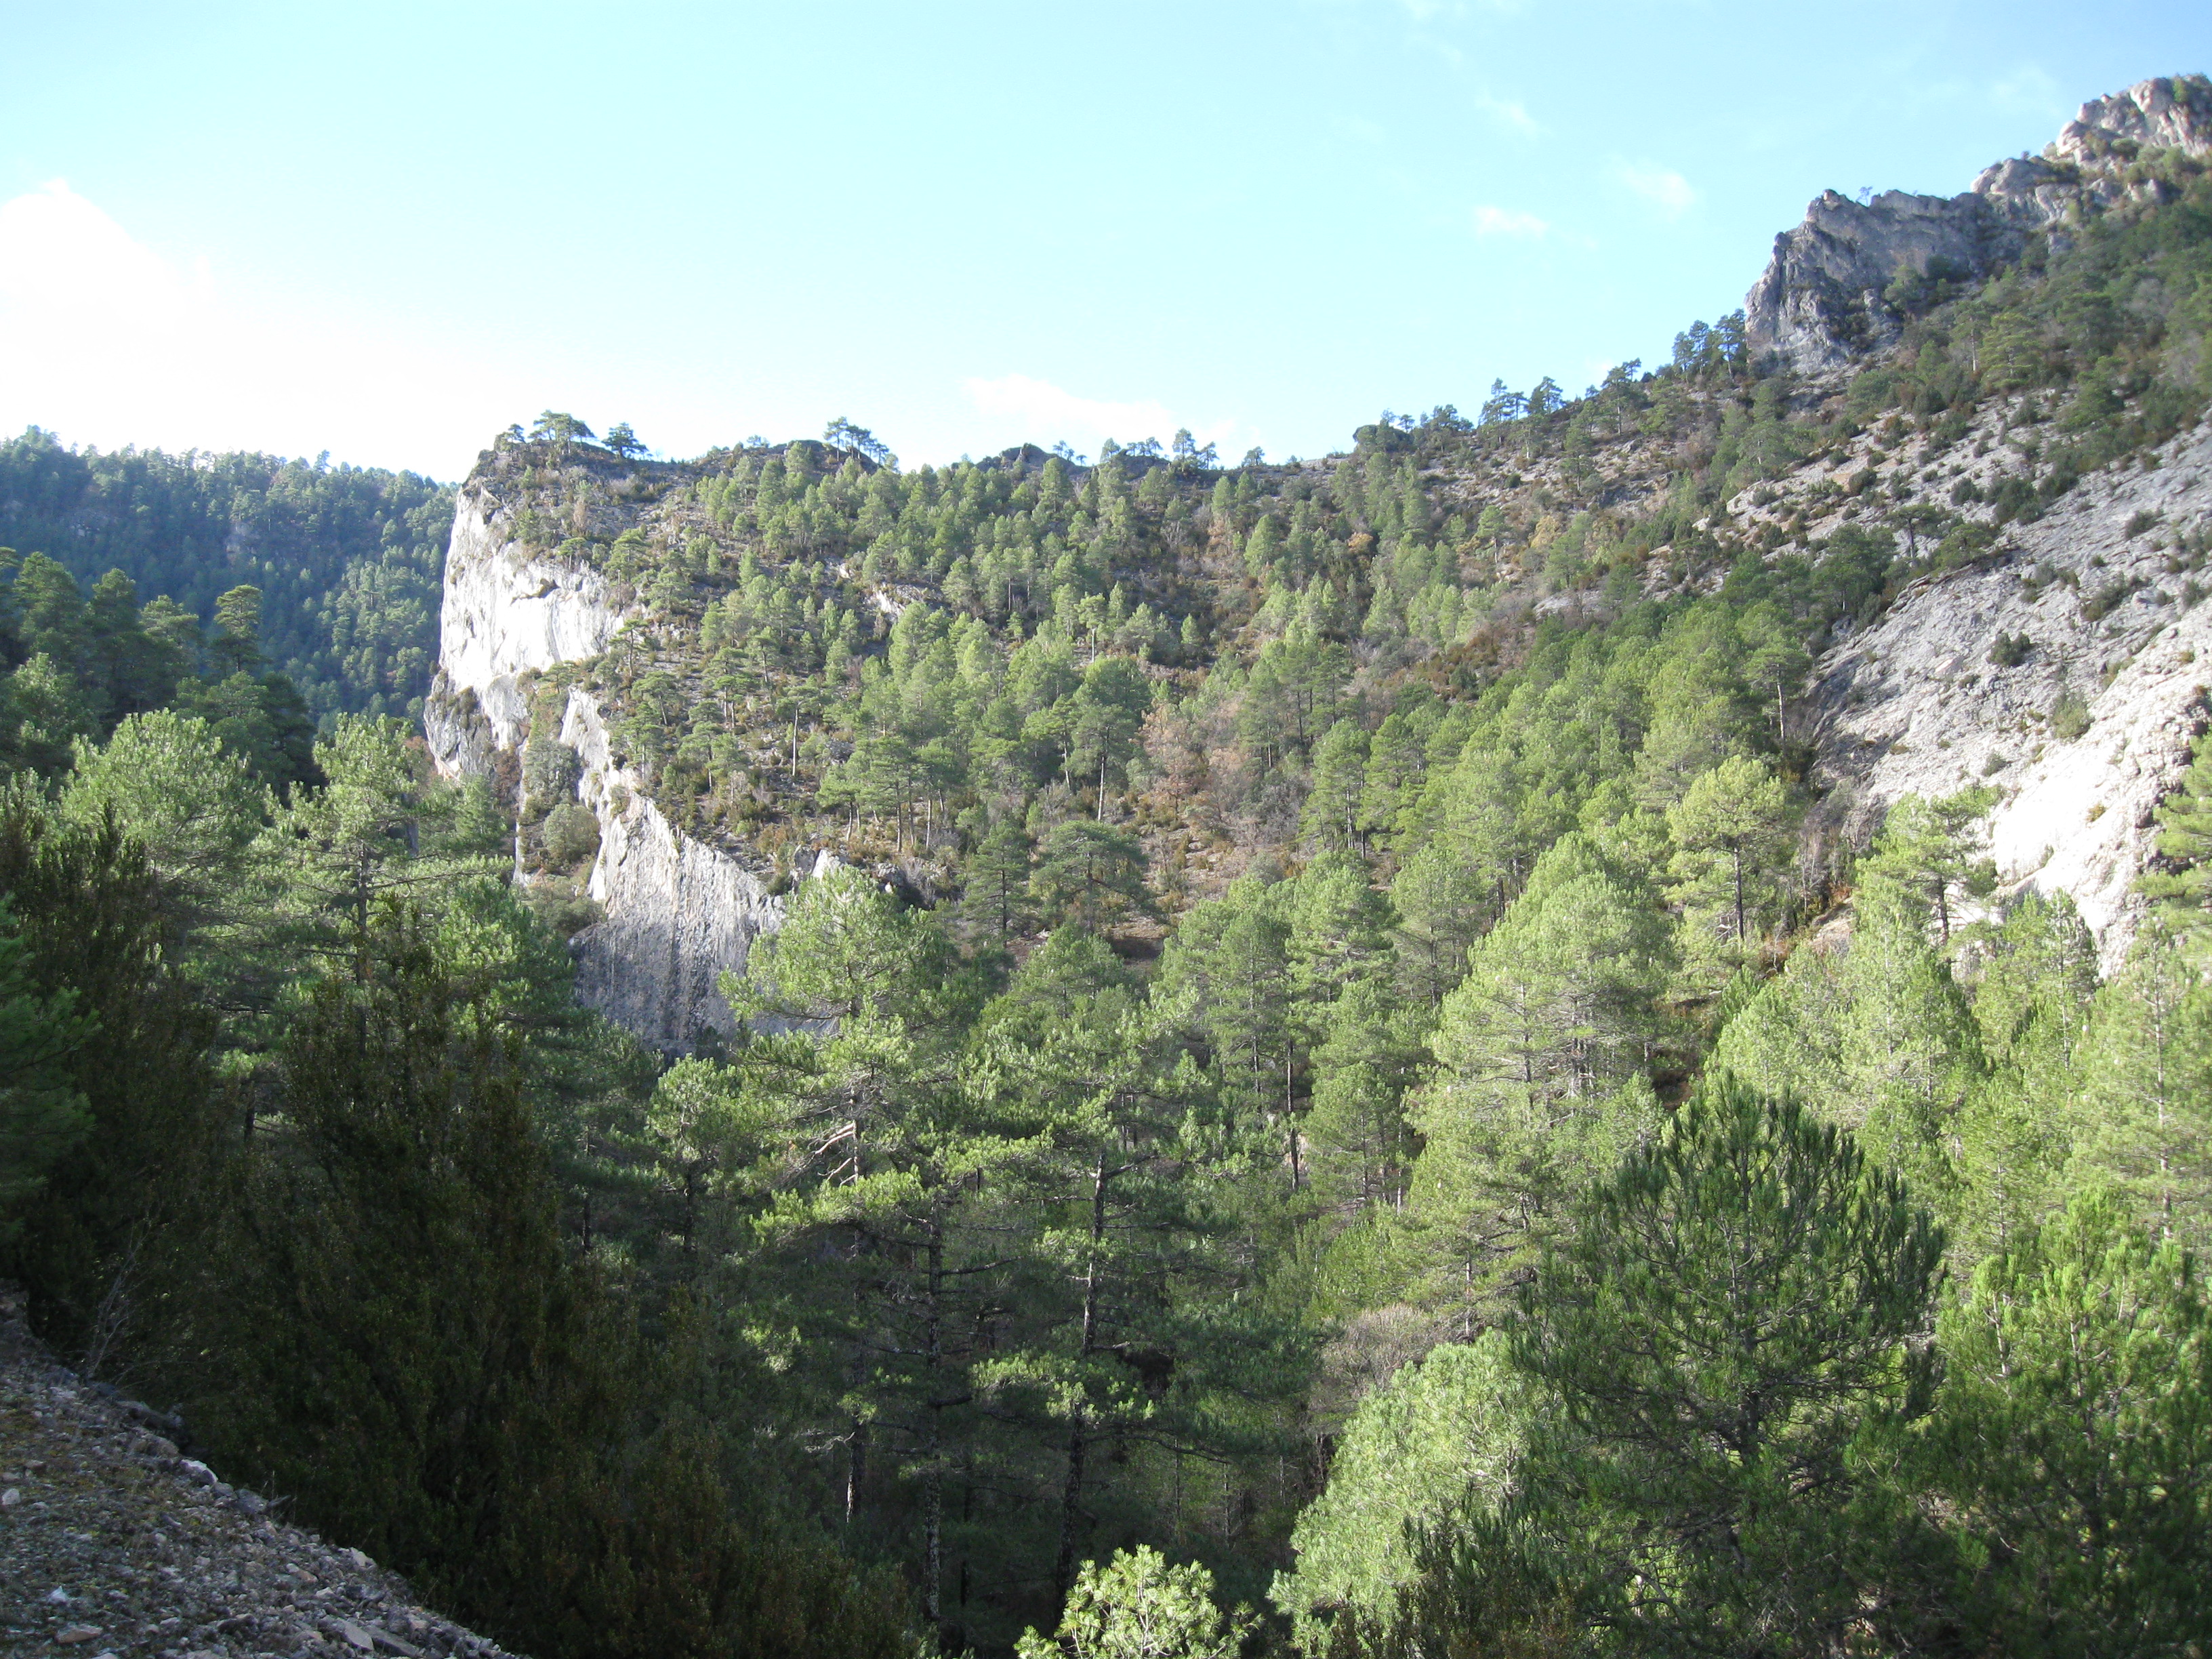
345, 560
1336, 1094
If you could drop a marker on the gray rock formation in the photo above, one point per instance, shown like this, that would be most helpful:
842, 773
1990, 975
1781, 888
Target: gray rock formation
1923, 703
1824, 297
1820, 301
677, 913
507, 608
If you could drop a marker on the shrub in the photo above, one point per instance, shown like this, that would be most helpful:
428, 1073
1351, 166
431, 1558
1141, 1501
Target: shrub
570, 835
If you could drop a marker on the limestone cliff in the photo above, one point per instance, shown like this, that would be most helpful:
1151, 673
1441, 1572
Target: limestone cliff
2067, 672
676, 913
1827, 293
508, 608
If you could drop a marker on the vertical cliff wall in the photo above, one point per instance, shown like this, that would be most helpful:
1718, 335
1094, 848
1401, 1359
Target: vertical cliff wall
507, 608
677, 913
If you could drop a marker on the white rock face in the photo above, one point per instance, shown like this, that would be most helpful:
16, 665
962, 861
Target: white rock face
507, 609
677, 914
1915, 705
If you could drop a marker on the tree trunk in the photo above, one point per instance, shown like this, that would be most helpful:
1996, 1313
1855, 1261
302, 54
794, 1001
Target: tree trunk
1079, 1438
1738, 898
932, 1470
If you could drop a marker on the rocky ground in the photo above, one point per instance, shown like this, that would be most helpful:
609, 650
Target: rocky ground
2101, 602
111, 1542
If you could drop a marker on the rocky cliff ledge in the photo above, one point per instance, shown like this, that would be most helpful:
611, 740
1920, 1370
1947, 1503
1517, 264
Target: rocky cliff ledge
508, 608
1828, 295
676, 913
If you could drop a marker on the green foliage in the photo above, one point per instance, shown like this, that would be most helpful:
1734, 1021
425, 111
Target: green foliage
2143, 1106
2076, 1439
1138, 1606
92, 1243
1733, 828
1730, 1336
1282, 917
1441, 1437
2181, 881
41, 1117
344, 562
1543, 1056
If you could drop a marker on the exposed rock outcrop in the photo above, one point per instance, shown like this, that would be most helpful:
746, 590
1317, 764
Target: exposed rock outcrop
677, 913
112, 1543
1983, 676
507, 608
1826, 295
1820, 301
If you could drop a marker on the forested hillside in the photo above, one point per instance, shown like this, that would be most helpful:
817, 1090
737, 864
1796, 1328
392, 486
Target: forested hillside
346, 559
1324, 1086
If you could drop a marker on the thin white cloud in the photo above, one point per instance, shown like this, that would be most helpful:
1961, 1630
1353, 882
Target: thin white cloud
1508, 112
103, 341
1046, 413
2030, 89
1510, 222
1662, 187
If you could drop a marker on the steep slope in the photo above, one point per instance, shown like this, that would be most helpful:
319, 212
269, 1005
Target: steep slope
675, 913
1949, 453
2061, 669
1843, 282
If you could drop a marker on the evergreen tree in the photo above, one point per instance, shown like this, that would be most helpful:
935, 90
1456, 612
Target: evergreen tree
1331, 817
1138, 1606
2181, 883
1544, 1054
41, 1117
1732, 830
2074, 1439
1728, 1338
2143, 1105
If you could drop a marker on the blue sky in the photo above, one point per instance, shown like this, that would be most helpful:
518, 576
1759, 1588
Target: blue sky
388, 230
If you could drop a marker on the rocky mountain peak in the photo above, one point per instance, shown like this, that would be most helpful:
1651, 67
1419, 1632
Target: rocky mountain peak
2155, 114
1841, 282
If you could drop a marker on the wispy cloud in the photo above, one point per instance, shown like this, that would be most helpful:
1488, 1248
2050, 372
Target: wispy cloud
1662, 187
1508, 112
1047, 412
1510, 222
2030, 90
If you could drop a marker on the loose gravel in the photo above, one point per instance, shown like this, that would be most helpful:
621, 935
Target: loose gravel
114, 1543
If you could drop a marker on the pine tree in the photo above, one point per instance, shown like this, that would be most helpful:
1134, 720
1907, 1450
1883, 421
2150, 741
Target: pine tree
2181, 883
2073, 1444
1732, 832
41, 1117
995, 899
1730, 1336
1544, 1053
1330, 817
2143, 1103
